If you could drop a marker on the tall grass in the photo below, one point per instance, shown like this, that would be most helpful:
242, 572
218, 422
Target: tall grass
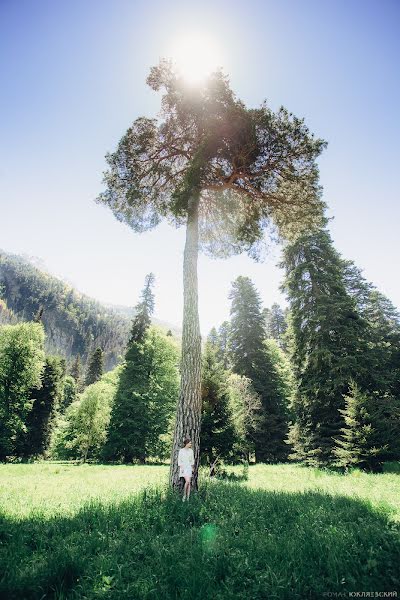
306, 534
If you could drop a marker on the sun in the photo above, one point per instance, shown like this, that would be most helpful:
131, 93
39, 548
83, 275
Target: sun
196, 56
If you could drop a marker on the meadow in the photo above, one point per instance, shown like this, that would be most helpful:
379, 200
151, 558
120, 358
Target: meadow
278, 531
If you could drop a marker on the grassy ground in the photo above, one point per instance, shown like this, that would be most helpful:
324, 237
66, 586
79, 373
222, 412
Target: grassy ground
115, 532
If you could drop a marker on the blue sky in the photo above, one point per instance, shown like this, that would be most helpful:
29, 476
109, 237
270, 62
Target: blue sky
73, 79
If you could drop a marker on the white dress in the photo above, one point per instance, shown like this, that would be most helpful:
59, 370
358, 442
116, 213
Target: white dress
185, 462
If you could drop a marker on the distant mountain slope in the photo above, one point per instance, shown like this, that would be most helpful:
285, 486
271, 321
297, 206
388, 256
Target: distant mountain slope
74, 323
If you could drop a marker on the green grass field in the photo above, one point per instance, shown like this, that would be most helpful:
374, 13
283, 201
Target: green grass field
111, 532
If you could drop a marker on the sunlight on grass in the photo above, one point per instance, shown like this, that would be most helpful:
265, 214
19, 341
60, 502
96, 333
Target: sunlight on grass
381, 490
62, 488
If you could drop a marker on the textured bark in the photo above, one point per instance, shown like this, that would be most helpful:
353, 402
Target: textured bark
188, 414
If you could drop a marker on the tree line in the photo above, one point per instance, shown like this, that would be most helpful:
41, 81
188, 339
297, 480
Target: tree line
125, 415
317, 382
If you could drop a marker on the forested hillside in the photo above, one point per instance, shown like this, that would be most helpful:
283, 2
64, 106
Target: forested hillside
75, 324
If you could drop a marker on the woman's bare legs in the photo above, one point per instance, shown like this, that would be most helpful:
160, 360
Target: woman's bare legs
186, 489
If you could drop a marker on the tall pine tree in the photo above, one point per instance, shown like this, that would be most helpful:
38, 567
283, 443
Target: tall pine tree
250, 357
224, 171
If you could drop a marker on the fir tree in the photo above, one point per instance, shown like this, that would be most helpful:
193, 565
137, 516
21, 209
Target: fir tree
129, 421
145, 399
223, 337
217, 429
371, 434
143, 311
384, 344
382, 334
220, 342
95, 368
250, 357
40, 420
328, 346
146, 393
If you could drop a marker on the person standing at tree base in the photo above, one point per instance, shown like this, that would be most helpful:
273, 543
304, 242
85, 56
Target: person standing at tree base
185, 464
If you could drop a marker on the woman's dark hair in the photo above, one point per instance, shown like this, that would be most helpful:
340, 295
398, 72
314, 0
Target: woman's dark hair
186, 441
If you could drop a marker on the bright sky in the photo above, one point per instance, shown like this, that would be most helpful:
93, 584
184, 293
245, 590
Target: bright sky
73, 79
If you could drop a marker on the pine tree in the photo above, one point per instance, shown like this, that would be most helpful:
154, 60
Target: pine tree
371, 434
223, 171
217, 429
250, 357
40, 420
95, 368
328, 346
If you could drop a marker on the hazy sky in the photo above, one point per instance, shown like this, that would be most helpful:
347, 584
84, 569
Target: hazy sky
73, 79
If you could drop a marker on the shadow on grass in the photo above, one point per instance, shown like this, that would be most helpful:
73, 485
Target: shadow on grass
226, 542
224, 475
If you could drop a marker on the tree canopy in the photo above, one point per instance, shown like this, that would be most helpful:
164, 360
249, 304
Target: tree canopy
251, 167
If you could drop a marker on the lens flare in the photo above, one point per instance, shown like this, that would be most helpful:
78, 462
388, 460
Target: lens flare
196, 56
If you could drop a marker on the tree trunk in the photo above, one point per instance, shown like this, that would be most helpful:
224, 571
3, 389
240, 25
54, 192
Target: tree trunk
188, 415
